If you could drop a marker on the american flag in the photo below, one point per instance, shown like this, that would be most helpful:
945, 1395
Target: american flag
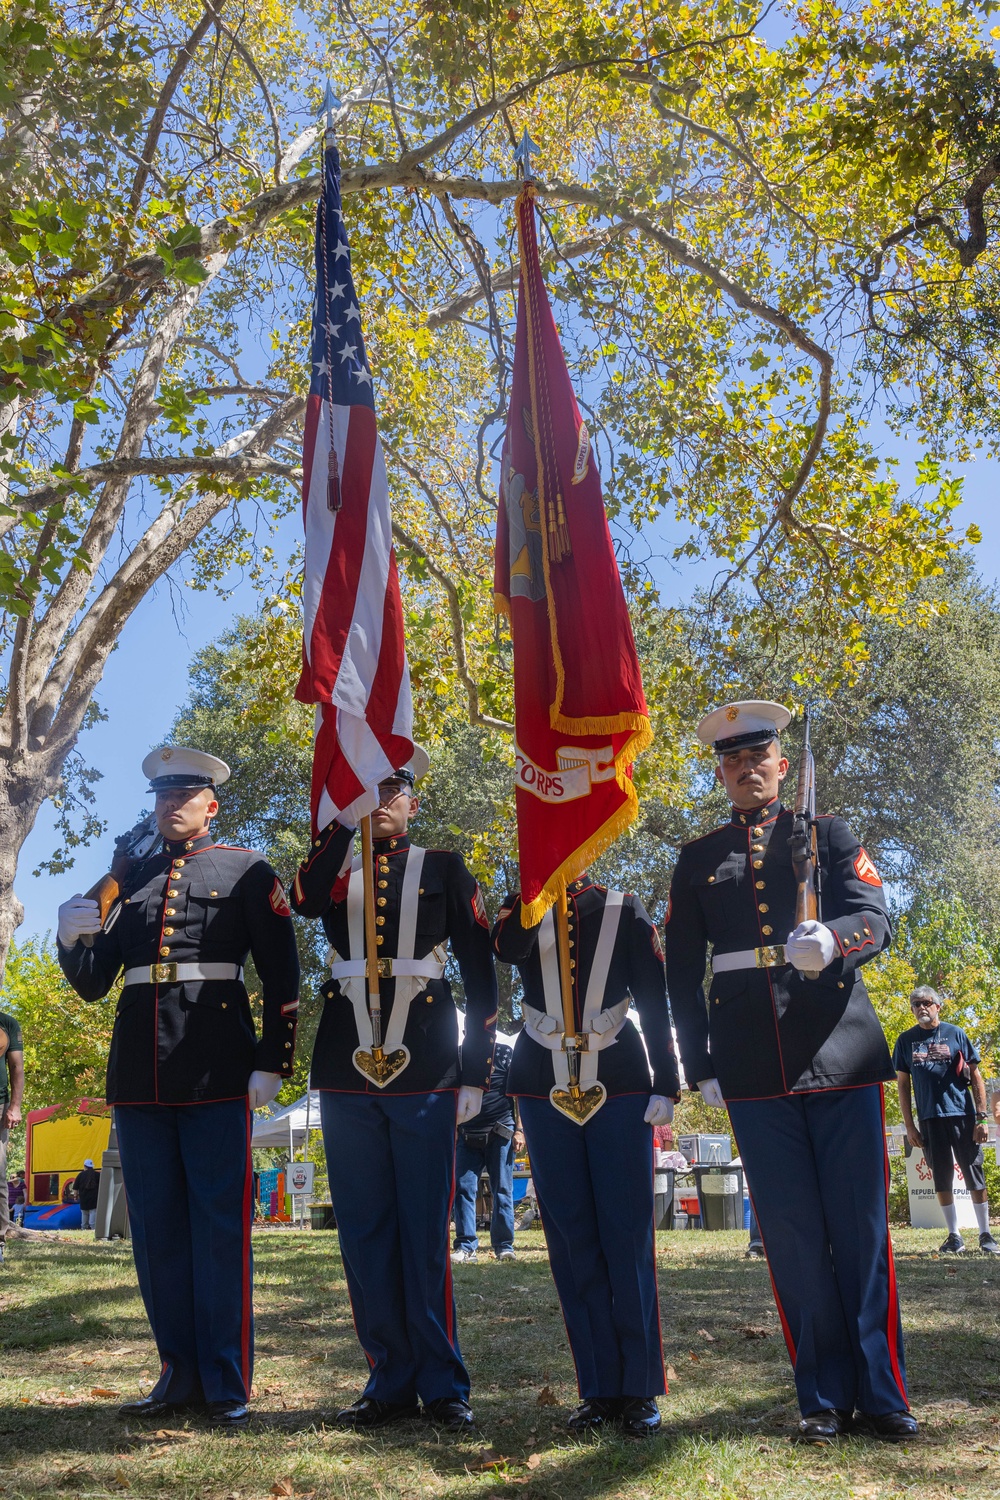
353, 653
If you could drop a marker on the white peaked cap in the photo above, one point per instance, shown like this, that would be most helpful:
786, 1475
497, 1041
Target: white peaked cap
737, 724
178, 766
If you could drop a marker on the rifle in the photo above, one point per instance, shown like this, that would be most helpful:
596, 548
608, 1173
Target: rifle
130, 848
805, 854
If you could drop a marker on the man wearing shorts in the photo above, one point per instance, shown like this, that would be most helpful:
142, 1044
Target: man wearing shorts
951, 1104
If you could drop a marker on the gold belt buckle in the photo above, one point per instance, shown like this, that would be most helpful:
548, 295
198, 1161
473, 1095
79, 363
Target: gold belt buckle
771, 956
578, 1043
385, 968
163, 973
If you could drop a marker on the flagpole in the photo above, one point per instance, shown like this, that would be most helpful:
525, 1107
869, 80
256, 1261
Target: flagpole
570, 1037
371, 947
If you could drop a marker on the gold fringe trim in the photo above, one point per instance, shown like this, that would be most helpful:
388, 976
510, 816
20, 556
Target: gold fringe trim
501, 604
532, 912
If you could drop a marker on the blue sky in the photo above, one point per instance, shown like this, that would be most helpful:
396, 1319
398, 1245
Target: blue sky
147, 681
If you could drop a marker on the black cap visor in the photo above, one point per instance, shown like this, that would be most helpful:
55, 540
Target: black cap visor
747, 741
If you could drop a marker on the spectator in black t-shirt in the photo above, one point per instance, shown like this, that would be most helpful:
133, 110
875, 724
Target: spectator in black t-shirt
489, 1141
87, 1186
944, 1066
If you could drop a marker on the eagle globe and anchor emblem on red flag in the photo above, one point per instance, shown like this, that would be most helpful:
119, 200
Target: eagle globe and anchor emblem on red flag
580, 713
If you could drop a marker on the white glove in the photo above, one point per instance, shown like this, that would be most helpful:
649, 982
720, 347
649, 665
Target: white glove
810, 946
76, 917
262, 1088
470, 1102
659, 1111
711, 1093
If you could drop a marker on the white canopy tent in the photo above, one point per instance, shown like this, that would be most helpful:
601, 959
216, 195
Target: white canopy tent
287, 1127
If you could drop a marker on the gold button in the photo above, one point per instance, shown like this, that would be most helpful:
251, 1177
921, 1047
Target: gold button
711, 879
381, 900
213, 893
316, 843
380, 921
840, 984
188, 844
571, 942
743, 817
380, 940
763, 906
430, 999
420, 892
767, 931
383, 885
164, 952
126, 901
287, 1045
857, 937
174, 892
758, 864
716, 999
759, 884
171, 912
758, 847
179, 864
168, 932
225, 1005
392, 843
757, 832
572, 963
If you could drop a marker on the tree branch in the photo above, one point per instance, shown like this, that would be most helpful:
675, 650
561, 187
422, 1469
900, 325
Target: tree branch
238, 467
503, 281
170, 85
457, 630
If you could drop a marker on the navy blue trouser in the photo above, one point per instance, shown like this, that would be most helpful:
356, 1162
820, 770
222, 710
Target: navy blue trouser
498, 1160
391, 1164
594, 1185
818, 1175
189, 1184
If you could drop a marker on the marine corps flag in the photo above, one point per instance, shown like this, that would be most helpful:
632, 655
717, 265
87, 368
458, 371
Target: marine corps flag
579, 708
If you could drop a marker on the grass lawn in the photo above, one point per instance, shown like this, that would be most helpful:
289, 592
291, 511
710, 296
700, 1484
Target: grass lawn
74, 1340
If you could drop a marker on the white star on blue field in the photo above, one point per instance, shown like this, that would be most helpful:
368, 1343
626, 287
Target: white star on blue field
339, 362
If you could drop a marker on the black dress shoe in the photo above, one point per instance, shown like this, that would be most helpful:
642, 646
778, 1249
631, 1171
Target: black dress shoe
825, 1426
228, 1413
451, 1413
367, 1413
891, 1426
638, 1416
593, 1415
152, 1406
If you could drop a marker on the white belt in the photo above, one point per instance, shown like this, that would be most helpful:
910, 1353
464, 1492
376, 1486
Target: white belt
390, 968
595, 1035
181, 973
771, 957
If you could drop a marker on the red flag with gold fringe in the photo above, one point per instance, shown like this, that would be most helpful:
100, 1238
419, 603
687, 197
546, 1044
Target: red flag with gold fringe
579, 707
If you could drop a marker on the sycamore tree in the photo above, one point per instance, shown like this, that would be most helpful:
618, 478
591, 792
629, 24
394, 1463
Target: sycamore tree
757, 222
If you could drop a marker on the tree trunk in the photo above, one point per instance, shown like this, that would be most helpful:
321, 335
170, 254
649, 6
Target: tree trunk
23, 789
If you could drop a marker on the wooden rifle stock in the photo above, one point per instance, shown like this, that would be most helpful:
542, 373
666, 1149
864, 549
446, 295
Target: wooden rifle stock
803, 844
130, 850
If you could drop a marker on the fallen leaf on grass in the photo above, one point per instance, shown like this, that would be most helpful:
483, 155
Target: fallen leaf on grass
487, 1459
545, 1397
751, 1331
671, 1373
106, 1393
173, 1432
58, 1398
534, 1459
282, 1487
704, 1333
695, 1357
122, 1479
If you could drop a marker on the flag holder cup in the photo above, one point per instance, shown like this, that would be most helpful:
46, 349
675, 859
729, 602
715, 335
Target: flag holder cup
379, 1066
576, 1103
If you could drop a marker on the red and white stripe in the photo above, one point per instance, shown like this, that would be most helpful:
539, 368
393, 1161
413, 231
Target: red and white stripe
354, 653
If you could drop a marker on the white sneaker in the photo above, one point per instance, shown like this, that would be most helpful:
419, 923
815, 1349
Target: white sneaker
464, 1257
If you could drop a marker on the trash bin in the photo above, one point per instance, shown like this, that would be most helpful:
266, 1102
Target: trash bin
321, 1215
720, 1196
663, 1198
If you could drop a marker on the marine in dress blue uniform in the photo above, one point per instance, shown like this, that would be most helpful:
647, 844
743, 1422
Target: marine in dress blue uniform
594, 1182
184, 1067
391, 1149
800, 1062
